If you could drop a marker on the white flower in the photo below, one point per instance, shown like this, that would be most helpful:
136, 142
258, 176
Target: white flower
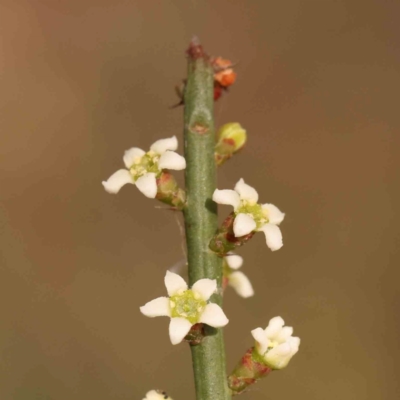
143, 168
275, 344
237, 279
157, 395
251, 216
186, 307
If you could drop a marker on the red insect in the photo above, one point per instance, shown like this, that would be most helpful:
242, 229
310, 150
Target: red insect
224, 76
223, 71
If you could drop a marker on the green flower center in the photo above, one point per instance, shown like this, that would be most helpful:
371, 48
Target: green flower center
187, 305
259, 215
147, 163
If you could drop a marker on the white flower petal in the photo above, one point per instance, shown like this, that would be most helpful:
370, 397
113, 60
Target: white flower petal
213, 316
282, 349
162, 145
174, 283
279, 356
234, 261
205, 288
274, 327
294, 344
273, 236
274, 214
172, 160
131, 155
226, 196
258, 335
246, 192
154, 395
284, 334
243, 225
261, 339
147, 184
118, 179
178, 329
157, 308
240, 282
157, 395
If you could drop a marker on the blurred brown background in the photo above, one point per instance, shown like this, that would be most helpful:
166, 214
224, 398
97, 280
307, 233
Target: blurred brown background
318, 91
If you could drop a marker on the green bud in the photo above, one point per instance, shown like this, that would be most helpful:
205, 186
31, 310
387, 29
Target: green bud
234, 131
231, 138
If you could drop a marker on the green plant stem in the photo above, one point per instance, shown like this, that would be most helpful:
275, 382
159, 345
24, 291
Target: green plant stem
200, 216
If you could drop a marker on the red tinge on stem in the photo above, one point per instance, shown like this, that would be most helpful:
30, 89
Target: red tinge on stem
195, 49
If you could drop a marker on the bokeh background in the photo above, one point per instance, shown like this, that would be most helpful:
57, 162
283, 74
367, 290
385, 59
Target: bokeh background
318, 91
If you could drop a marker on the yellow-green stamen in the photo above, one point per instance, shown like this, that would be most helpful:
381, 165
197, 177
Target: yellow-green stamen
145, 164
187, 305
255, 210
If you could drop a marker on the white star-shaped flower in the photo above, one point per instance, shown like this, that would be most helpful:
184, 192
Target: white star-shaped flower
143, 168
157, 395
251, 216
237, 279
186, 307
275, 344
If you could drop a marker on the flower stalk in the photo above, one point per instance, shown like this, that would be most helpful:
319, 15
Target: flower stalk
200, 215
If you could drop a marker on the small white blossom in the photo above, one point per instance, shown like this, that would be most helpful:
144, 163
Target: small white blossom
143, 169
186, 307
251, 216
156, 395
237, 279
275, 343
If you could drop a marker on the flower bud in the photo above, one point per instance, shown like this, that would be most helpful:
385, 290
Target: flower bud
169, 192
234, 131
231, 138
